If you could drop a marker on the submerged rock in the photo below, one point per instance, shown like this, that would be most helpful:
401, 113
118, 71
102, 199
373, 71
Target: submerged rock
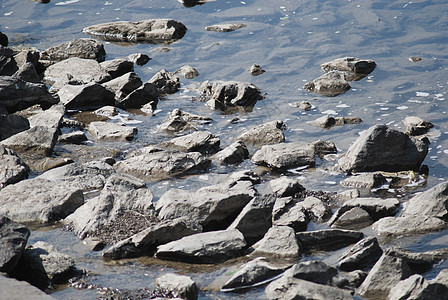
225, 27
82, 48
330, 84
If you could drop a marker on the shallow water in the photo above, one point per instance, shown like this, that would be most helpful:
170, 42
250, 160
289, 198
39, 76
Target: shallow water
289, 39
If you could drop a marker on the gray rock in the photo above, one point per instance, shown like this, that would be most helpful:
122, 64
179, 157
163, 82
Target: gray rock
13, 239
325, 122
187, 72
140, 97
303, 105
199, 141
442, 277
278, 242
432, 202
165, 82
225, 27
285, 155
39, 140
316, 208
85, 95
146, 241
266, 134
420, 262
339, 121
12, 124
287, 212
16, 289
158, 165
51, 117
117, 67
139, 59
12, 168
314, 271
147, 31
27, 55
380, 148
285, 186
181, 286
124, 84
176, 123
233, 154
16, 94
227, 95
8, 65
354, 218
256, 70
39, 200
362, 255
355, 278
391, 226
330, 84
48, 163
322, 148
417, 287
208, 247
27, 72
107, 111
111, 131
347, 195
328, 238
356, 68
364, 180
416, 125
81, 48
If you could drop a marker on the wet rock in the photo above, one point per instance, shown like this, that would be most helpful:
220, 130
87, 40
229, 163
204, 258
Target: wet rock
255, 219
285, 186
107, 111
289, 288
81, 48
420, 262
88, 176
416, 125
85, 96
347, 195
187, 72
146, 241
328, 238
322, 148
278, 242
12, 168
285, 155
140, 59
417, 287
13, 239
15, 289
140, 97
287, 212
323, 122
316, 208
39, 140
112, 131
303, 105
380, 148
255, 272
391, 226
156, 31
165, 82
256, 70
432, 202
39, 200
158, 165
347, 120
354, 218
3, 39
226, 95
225, 27
266, 134
8, 65
199, 141
208, 247
233, 154
49, 163
356, 68
12, 124
330, 84
364, 180
124, 84
181, 286
27, 72
16, 94
179, 121
117, 67
51, 118
362, 255
314, 271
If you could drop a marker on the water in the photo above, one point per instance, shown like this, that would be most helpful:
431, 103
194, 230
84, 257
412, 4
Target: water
289, 39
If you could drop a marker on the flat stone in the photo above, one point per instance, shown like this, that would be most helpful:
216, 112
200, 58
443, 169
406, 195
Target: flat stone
199, 141
328, 238
182, 286
354, 218
225, 27
266, 134
432, 202
391, 226
112, 131
285, 155
40, 140
81, 48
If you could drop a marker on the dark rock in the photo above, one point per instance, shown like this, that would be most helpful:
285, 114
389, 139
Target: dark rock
81, 48
380, 148
278, 242
225, 27
117, 67
408, 225
330, 84
356, 68
362, 255
85, 96
256, 70
139, 59
287, 212
208, 247
325, 122
322, 148
432, 202
13, 239
285, 155
187, 72
3, 39
12, 168
328, 238
181, 286
39, 140
165, 82
199, 141
354, 218
347, 120
420, 262
15, 289
314, 271
156, 31
192, 3
355, 278
111, 131
145, 94
364, 180
12, 124
266, 134
417, 287
233, 154
75, 137
416, 125
285, 186
123, 85
8, 65
27, 72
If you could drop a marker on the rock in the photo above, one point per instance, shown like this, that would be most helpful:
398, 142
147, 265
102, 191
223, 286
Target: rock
27, 55
117, 67
364, 180
187, 72
330, 84
347, 195
112, 131
156, 31
255, 219
225, 27
278, 242
48, 163
289, 288
266, 134
27, 72
385, 274
88, 176
165, 82
303, 105
12, 124
442, 277
39, 140
199, 141
356, 68
432, 202
322, 148
123, 85
233, 154
313, 271
208, 247
8, 65
15, 289
51, 118
285, 186
253, 273
380, 148
12, 168
140, 59
3, 39
354, 218
121, 193
391, 226
160, 165
85, 96
256, 70
287, 212
347, 120
416, 125
16, 94
417, 287
39, 200
225, 95
176, 122
325, 122
328, 238
181, 286
145, 242
285, 155
42, 265
362, 255
420, 262
145, 94
316, 208
81, 48
107, 111
191, 3
13, 239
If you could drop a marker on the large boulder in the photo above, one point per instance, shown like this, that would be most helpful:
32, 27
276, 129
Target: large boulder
330, 84
13, 239
432, 203
12, 168
82, 48
147, 31
285, 155
265, 134
417, 287
380, 148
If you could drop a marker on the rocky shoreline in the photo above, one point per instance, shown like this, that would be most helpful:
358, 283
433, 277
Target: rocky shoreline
214, 223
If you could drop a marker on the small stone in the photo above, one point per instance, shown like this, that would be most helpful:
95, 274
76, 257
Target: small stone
256, 70
303, 105
139, 59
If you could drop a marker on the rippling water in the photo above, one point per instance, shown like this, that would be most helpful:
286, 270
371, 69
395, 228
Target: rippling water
289, 39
